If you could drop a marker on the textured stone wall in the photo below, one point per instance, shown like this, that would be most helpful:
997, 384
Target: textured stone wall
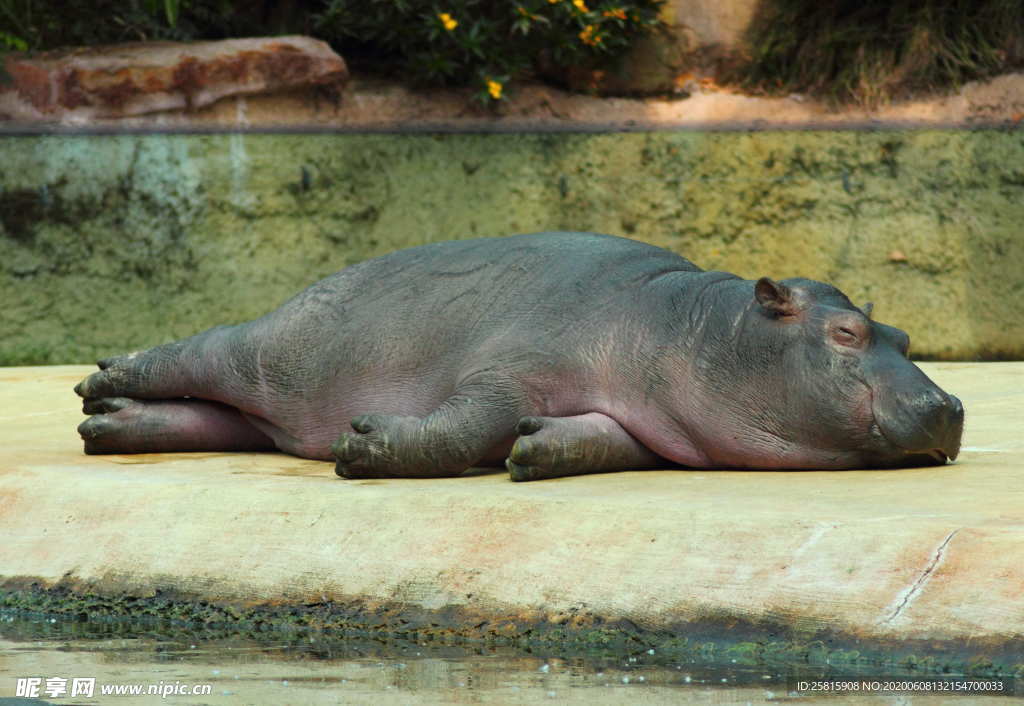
713, 22
109, 243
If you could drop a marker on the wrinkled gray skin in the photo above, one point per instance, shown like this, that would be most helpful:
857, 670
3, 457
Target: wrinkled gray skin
555, 353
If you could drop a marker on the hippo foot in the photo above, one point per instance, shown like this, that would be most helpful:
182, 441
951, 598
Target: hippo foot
377, 448
541, 451
159, 373
104, 432
115, 377
120, 425
551, 447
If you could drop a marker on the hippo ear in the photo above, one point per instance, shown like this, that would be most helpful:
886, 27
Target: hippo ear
867, 309
775, 296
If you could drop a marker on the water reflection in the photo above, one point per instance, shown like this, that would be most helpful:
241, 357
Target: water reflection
315, 669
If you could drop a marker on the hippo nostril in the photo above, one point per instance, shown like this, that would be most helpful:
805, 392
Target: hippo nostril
940, 410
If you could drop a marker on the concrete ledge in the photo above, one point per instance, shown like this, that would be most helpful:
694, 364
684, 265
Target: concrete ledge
923, 556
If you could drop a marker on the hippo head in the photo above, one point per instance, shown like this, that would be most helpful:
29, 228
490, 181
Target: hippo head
813, 382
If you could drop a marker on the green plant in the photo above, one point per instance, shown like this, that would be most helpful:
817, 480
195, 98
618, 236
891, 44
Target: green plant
15, 24
10, 41
482, 43
870, 51
47, 24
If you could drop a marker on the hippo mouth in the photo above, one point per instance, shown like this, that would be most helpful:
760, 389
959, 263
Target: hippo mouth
893, 455
935, 457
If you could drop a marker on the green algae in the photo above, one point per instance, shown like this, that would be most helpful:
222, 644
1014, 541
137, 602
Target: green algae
722, 640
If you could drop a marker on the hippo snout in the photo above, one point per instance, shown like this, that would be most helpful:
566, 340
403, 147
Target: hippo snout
953, 417
926, 425
941, 418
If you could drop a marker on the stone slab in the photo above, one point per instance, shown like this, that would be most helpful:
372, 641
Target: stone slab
80, 85
930, 554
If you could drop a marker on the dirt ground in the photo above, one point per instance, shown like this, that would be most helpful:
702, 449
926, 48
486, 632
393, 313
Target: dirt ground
369, 103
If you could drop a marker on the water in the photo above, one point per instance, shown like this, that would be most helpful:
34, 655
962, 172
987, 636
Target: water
191, 667
315, 670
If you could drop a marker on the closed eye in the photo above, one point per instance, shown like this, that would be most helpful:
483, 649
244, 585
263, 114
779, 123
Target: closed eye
845, 336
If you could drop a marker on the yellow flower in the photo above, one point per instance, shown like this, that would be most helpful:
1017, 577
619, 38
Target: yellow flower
588, 37
447, 21
553, 2
617, 13
494, 88
580, 5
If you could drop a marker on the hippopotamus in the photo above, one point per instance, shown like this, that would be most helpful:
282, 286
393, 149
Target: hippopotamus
552, 354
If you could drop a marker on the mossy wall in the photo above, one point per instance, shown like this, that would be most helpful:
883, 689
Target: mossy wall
111, 243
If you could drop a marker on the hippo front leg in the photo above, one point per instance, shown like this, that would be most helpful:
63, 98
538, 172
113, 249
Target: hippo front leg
551, 447
454, 437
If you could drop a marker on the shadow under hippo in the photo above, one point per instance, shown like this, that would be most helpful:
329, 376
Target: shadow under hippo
553, 354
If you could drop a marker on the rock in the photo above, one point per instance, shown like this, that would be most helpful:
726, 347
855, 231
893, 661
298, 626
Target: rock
82, 84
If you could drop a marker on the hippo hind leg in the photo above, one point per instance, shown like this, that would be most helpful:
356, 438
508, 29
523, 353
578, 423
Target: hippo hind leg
551, 447
151, 374
190, 367
121, 425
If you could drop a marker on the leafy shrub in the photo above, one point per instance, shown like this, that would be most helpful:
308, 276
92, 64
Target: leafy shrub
453, 42
481, 42
48, 24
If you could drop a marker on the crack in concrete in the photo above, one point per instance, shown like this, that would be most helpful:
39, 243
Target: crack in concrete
915, 589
